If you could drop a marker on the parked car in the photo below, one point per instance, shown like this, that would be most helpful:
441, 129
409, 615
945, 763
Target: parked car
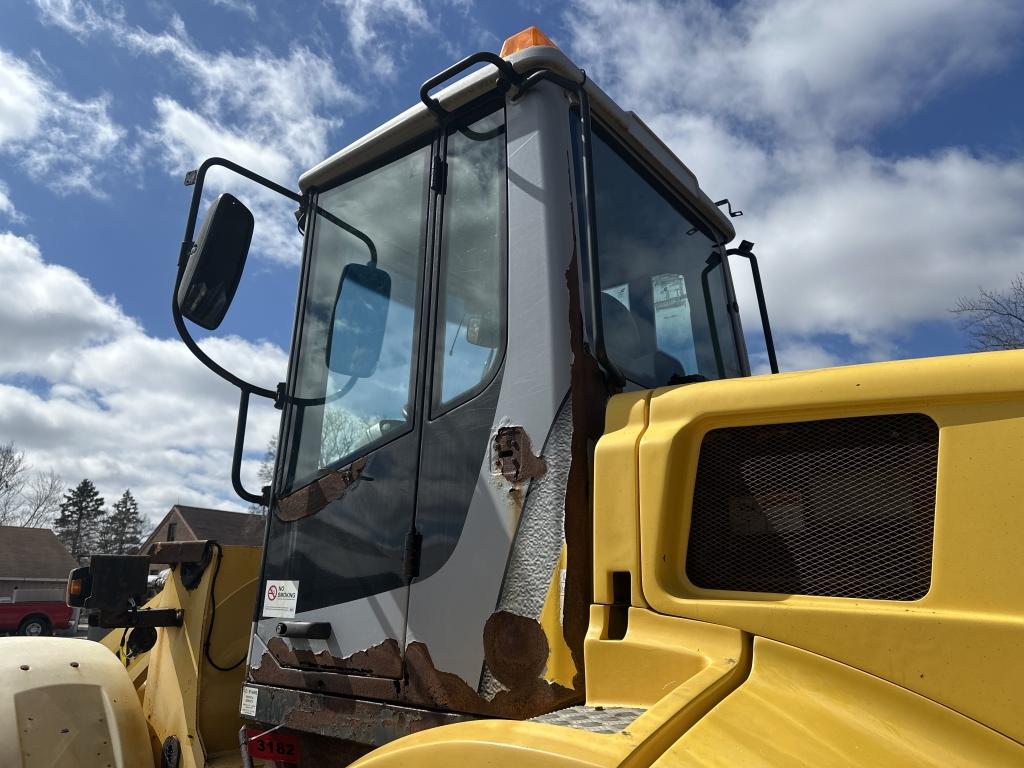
37, 612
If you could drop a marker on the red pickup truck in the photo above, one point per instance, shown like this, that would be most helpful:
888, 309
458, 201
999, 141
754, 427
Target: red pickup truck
37, 612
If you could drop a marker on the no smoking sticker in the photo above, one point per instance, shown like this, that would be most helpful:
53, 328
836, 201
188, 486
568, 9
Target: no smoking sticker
279, 599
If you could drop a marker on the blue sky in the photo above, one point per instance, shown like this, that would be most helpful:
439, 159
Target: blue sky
876, 151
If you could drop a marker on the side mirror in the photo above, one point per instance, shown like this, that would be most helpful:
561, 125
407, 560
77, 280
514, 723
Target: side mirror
360, 316
215, 265
483, 331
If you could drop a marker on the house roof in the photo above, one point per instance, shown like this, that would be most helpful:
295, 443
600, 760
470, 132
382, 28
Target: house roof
216, 524
33, 553
225, 527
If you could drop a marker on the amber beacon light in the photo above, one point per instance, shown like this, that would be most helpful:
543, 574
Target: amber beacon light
528, 38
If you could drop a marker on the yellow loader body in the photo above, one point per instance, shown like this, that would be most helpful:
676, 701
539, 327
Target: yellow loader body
683, 675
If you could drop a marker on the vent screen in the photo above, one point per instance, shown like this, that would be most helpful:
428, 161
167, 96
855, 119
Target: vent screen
841, 507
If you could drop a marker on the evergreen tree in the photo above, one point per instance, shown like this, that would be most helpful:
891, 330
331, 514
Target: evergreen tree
78, 522
121, 531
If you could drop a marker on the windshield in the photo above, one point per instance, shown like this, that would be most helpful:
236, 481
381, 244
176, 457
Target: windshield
663, 299
353, 385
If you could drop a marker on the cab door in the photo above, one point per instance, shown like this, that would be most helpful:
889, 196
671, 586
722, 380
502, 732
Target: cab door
337, 559
461, 514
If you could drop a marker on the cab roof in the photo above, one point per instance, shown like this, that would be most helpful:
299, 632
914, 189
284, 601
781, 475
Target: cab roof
627, 127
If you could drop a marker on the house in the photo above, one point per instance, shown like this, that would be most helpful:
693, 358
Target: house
33, 559
183, 523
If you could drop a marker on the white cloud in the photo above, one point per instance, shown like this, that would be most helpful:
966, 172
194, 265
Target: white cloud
866, 247
60, 141
273, 114
187, 136
21, 100
810, 69
365, 20
39, 335
7, 208
274, 101
799, 356
105, 400
772, 102
270, 114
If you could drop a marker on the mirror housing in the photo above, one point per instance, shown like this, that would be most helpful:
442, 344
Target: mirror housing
359, 319
215, 264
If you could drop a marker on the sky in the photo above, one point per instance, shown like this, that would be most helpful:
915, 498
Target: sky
876, 149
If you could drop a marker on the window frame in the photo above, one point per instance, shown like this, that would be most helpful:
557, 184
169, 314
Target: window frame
657, 181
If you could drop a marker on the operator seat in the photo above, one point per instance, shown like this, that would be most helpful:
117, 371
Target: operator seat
624, 345
621, 337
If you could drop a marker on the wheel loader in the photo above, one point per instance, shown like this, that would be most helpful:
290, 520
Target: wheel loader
529, 505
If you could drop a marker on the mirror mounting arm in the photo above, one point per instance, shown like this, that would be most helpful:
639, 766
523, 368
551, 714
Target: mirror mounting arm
236, 456
195, 179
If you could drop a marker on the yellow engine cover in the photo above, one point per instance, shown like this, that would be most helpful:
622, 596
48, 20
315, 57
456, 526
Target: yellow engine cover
68, 704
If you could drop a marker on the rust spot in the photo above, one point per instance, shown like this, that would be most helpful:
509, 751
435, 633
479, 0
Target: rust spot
423, 685
589, 391
444, 690
429, 686
515, 647
384, 659
513, 456
311, 498
271, 672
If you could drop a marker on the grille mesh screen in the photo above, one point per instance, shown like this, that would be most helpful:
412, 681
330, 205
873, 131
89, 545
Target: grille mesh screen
841, 507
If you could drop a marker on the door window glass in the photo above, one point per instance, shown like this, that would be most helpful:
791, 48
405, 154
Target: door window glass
472, 260
355, 360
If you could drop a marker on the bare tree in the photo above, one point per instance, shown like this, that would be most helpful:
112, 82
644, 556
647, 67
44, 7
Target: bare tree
994, 319
342, 433
13, 475
41, 500
27, 498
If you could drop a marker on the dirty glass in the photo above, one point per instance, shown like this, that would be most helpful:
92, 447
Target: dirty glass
377, 219
663, 298
472, 260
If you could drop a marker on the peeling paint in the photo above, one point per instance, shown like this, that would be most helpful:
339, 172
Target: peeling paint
513, 457
336, 730
311, 498
423, 685
384, 659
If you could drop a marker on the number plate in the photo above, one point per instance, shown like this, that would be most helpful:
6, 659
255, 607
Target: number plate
276, 745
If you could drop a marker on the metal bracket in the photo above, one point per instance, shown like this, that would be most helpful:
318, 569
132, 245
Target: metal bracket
138, 617
438, 175
725, 201
192, 556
